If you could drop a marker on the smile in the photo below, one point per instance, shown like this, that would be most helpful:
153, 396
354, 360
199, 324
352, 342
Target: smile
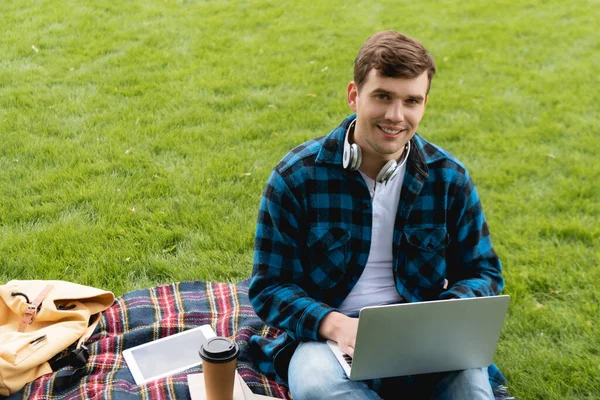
389, 131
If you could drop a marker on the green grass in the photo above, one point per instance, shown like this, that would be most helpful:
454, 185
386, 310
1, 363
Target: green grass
137, 137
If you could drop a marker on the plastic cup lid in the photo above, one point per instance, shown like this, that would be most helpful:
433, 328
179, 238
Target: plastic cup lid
219, 350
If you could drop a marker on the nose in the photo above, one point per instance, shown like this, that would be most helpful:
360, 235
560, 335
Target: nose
394, 112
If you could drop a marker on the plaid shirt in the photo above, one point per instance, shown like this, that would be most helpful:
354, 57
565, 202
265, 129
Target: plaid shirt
314, 234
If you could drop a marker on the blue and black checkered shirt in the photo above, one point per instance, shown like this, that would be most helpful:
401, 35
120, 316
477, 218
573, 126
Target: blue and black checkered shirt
314, 234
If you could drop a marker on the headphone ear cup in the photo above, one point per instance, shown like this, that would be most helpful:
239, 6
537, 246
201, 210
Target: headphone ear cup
356, 157
347, 156
387, 172
351, 157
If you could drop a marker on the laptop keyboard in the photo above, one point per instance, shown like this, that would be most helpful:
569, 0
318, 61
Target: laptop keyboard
348, 359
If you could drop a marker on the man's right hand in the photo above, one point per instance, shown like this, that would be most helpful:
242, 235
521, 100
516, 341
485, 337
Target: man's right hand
341, 329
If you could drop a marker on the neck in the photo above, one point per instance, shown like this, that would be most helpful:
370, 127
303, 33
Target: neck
371, 165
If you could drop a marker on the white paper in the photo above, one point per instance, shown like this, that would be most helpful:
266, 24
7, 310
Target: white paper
241, 390
198, 390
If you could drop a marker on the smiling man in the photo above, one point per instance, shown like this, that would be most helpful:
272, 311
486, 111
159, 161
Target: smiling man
388, 112
370, 214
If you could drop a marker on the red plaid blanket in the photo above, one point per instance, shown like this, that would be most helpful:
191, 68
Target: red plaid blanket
144, 315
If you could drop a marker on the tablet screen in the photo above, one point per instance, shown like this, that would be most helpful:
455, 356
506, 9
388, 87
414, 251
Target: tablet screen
166, 356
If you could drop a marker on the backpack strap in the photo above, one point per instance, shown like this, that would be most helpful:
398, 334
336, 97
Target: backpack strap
32, 308
77, 358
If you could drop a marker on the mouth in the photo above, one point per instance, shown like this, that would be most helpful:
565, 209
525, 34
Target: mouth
391, 132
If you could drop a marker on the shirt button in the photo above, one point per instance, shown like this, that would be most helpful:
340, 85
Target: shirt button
365, 206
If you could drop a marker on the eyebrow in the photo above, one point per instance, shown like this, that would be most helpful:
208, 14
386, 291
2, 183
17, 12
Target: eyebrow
417, 97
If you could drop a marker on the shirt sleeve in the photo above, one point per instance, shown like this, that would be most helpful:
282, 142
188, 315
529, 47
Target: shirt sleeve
275, 290
479, 272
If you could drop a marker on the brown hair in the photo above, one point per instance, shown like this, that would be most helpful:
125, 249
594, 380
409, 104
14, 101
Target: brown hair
393, 55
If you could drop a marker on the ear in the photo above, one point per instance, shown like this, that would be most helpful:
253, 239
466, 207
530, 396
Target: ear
352, 95
425, 102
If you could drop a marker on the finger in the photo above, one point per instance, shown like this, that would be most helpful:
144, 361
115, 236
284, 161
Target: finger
349, 350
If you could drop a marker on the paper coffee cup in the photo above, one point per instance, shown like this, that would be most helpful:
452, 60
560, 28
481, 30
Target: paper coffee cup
219, 359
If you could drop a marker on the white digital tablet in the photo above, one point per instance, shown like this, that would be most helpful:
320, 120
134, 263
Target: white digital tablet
168, 355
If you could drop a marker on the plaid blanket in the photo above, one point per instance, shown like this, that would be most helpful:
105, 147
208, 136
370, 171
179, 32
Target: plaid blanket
145, 315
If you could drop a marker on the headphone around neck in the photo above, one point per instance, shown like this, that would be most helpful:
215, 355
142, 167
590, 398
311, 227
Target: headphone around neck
352, 158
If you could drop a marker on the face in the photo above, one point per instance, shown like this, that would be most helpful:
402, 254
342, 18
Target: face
388, 112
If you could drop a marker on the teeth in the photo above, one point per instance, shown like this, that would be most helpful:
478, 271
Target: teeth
390, 131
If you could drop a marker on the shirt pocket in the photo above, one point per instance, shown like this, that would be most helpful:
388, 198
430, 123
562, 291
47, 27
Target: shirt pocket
424, 265
328, 253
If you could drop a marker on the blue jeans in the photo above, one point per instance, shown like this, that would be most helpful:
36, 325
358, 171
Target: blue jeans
315, 373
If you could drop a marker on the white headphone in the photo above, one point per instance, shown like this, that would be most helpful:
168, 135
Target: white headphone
352, 158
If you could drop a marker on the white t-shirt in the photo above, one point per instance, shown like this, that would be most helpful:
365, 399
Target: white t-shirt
376, 284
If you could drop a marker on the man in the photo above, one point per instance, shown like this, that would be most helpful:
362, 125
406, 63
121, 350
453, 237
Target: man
370, 214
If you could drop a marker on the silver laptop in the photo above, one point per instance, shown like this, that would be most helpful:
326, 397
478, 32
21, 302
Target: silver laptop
419, 338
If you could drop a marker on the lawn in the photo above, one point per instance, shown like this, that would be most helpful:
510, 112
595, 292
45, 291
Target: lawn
137, 137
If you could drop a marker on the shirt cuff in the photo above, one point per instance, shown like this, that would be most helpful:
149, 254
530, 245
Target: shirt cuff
308, 325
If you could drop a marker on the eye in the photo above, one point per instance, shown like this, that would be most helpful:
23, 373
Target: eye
382, 96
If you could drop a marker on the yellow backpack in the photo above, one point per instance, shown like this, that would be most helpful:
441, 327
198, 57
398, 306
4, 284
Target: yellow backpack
40, 319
